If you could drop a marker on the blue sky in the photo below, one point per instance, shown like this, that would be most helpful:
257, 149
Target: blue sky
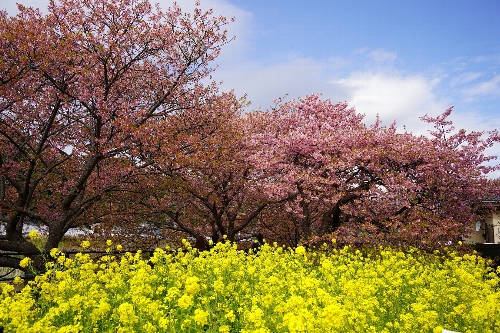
398, 59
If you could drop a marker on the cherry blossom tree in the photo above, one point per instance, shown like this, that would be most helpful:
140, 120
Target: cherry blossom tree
208, 188
83, 88
359, 183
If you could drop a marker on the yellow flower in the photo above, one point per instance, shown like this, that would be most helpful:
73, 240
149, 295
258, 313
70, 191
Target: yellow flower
163, 322
70, 329
460, 309
68, 263
85, 244
219, 285
61, 260
192, 286
300, 250
185, 324
33, 235
109, 242
101, 310
230, 316
200, 317
148, 327
255, 316
17, 280
185, 301
224, 329
7, 289
439, 329
25, 262
326, 264
375, 290
119, 247
127, 314
54, 252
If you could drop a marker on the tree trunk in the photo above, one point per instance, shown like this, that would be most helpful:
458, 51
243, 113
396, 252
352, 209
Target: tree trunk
330, 220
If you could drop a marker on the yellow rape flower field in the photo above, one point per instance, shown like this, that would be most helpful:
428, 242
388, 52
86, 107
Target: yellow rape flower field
277, 290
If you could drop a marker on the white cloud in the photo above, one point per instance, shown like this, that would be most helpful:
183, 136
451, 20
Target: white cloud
406, 98
465, 78
492, 58
382, 56
491, 87
393, 97
338, 62
360, 51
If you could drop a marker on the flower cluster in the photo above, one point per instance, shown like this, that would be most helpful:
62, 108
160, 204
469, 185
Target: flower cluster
277, 290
